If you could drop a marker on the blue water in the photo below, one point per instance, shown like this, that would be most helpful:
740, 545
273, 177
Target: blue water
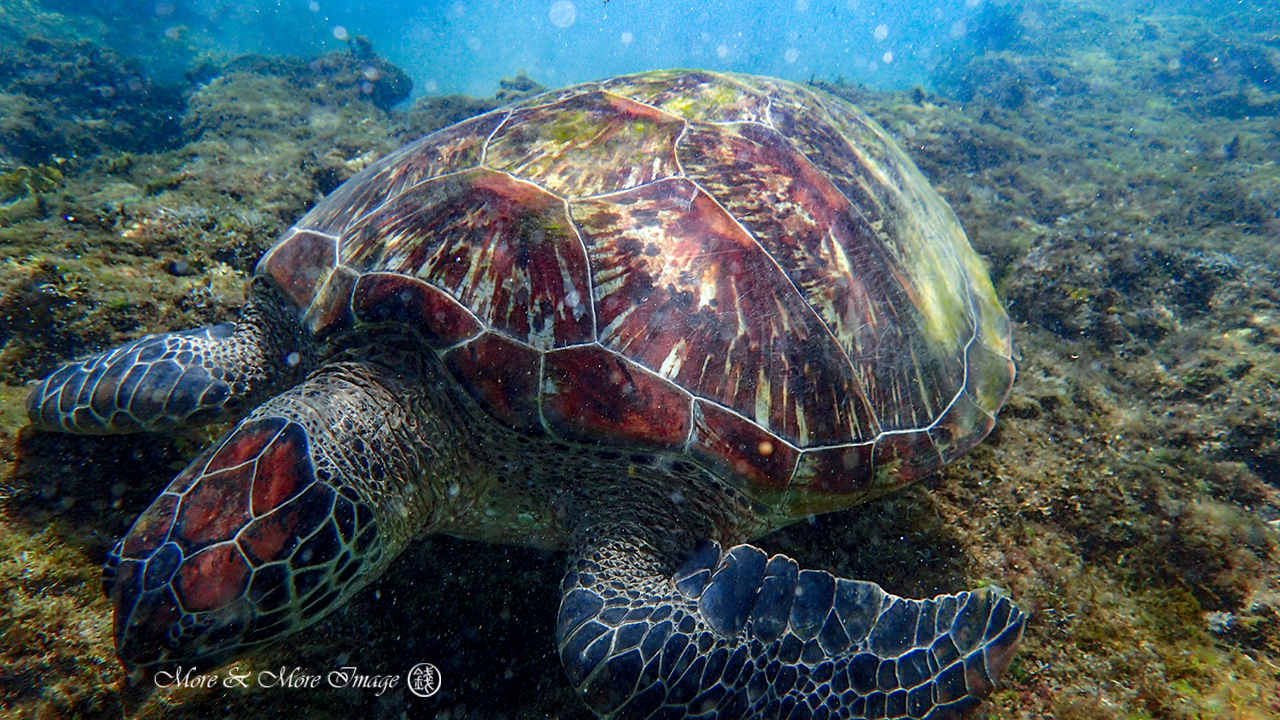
466, 46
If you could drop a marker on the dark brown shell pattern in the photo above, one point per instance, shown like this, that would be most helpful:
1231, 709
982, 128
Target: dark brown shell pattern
727, 267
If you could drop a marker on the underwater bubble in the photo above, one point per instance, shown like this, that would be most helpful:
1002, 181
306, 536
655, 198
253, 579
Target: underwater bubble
887, 57
563, 13
627, 37
882, 32
340, 32
791, 55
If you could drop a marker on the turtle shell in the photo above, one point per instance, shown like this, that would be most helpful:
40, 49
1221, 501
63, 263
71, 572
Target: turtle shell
739, 270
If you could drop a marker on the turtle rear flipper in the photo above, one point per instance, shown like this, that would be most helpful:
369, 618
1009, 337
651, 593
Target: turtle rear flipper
179, 379
738, 634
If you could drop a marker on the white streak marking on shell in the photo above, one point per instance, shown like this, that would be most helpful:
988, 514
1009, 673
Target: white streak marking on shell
675, 358
607, 283
764, 398
611, 328
802, 425
708, 294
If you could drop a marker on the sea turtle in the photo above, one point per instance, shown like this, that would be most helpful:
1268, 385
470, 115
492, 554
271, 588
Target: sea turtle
644, 320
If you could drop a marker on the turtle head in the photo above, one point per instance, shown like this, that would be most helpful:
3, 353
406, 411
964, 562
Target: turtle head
248, 544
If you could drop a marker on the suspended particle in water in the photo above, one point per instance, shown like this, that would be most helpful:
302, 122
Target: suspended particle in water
563, 13
882, 32
958, 29
313, 6
888, 57
627, 37
722, 50
791, 55
340, 32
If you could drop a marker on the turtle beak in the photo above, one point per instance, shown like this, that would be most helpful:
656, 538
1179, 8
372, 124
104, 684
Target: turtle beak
153, 629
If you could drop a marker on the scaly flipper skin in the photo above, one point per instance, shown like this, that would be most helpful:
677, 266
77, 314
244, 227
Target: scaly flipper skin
179, 379
741, 635
276, 524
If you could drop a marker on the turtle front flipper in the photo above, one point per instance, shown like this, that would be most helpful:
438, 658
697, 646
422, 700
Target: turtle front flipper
742, 635
298, 507
179, 379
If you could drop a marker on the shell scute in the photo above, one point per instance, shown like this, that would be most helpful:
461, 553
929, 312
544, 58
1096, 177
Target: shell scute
503, 376
684, 290
455, 148
331, 311
961, 426
742, 447
854, 278
504, 248
831, 478
987, 382
905, 457
299, 263
587, 144
700, 96
594, 395
391, 297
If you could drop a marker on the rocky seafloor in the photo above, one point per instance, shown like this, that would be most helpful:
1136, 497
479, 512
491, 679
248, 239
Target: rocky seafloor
1120, 172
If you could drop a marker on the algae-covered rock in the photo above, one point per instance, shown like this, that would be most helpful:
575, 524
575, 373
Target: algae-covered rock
60, 98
